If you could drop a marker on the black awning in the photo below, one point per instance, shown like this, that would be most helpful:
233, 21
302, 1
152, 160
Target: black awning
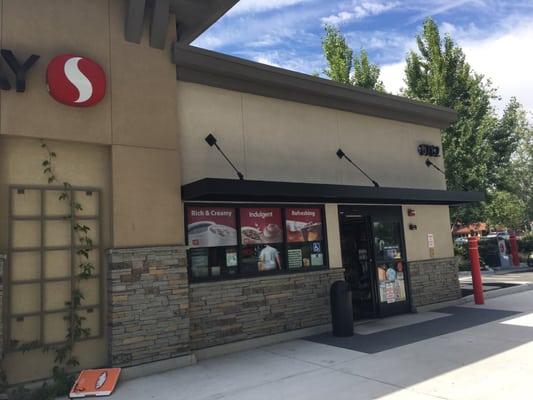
212, 189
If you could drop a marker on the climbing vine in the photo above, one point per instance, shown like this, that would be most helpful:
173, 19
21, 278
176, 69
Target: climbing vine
64, 356
64, 359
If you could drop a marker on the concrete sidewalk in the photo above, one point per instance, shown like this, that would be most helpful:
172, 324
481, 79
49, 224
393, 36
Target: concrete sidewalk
466, 352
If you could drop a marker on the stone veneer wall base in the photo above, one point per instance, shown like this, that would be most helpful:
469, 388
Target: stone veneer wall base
148, 304
434, 281
238, 310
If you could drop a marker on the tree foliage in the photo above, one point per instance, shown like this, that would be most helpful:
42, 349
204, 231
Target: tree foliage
343, 66
338, 55
365, 74
438, 73
479, 147
505, 209
504, 138
521, 167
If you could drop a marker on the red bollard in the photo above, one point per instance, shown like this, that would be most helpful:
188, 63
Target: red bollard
476, 270
514, 250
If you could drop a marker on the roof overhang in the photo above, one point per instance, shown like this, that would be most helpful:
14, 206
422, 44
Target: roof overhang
193, 17
214, 189
219, 70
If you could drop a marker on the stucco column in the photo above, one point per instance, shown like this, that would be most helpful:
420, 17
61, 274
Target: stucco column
146, 178
333, 235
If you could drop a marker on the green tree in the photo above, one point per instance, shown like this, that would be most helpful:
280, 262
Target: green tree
341, 62
438, 73
482, 151
338, 55
506, 210
504, 138
365, 74
521, 169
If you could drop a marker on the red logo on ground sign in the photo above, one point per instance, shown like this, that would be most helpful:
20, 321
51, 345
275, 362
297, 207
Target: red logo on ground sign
75, 81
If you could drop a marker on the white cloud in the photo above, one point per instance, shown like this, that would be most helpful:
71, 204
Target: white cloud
436, 7
258, 6
288, 59
392, 76
337, 18
504, 57
255, 31
359, 10
266, 59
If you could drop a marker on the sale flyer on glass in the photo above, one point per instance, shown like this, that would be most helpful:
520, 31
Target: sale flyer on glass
261, 225
211, 226
303, 224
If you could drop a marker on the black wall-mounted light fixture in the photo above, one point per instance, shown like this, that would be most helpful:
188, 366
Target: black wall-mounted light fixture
342, 155
212, 141
429, 163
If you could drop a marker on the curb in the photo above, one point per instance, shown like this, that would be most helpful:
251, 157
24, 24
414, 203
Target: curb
512, 271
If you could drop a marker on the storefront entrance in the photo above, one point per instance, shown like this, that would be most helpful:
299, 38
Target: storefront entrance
373, 257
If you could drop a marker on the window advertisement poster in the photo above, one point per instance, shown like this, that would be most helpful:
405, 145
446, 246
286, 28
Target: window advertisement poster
261, 225
391, 282
211, 226
303, 224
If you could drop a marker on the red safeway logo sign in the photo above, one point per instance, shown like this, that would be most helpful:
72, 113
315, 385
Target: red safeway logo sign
76, 81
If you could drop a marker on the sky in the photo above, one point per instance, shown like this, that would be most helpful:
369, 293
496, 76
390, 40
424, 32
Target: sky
496, 36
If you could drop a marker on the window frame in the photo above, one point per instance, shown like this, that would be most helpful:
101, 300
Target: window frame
224, 276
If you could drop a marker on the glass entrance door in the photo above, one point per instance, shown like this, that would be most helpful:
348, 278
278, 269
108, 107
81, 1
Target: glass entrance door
373, 257
356, 246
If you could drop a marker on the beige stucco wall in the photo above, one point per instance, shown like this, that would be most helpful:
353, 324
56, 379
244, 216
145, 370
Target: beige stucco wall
139, 110
50, 28
140, 217
81, 165
333, 235
140, 106
126, 145
271, 139
429, 220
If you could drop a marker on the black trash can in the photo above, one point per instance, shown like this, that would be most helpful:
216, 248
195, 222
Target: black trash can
341, 309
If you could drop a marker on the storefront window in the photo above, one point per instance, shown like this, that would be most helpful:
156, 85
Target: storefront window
261, 258
304, 237
247, 241
211, 261
305, 255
